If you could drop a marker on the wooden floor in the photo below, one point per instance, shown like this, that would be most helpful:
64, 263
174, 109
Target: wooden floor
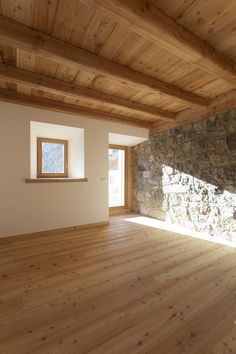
123, 288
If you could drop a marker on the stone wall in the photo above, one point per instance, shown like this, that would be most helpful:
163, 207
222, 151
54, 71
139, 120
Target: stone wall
187, 176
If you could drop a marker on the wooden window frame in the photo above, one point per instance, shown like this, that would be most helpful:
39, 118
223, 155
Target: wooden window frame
40, 174
127, 207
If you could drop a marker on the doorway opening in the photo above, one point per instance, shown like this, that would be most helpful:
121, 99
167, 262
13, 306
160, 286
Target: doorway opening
120, 179
117, 176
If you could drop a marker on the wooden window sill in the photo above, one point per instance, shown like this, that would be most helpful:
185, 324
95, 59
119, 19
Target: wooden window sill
55, 180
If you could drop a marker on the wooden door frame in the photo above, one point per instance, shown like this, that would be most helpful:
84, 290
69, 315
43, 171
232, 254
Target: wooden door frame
127, 208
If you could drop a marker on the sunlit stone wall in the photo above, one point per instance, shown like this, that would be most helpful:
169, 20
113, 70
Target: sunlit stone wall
187, 176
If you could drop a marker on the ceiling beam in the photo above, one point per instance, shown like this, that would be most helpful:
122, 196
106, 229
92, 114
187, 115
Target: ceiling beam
28, 39
67, 89
218, 104
58, 106
146, 19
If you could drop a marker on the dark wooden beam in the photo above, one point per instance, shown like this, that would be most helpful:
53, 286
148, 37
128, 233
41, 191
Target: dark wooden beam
146, 19
58, 106
218, 104
25, 38
67, 89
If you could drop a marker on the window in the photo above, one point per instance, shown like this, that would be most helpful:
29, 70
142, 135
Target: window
117, 172
52, 158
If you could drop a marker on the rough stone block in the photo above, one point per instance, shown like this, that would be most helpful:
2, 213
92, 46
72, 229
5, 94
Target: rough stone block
174, 188
188, 175
146, 174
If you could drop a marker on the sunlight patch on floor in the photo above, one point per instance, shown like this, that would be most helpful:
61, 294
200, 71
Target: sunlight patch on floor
164, 225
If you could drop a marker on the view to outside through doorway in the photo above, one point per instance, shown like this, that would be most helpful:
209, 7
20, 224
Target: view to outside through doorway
116, 177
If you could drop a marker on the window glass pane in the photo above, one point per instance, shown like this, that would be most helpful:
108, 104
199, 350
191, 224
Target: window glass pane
52, 158
116, 177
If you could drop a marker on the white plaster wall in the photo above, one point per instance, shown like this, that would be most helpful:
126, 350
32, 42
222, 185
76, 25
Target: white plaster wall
26, 208
75, 137
76, 156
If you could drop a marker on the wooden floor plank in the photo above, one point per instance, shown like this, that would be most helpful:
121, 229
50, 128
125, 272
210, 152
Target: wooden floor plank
121, 288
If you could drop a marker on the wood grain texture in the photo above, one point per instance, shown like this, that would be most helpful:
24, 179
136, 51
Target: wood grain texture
122, 288
26, 38
71, 90
216, 105
148, 21
52, 105
152, 69
55, 180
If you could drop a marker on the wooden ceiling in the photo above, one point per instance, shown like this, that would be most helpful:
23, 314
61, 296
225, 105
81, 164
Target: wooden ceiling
156, 63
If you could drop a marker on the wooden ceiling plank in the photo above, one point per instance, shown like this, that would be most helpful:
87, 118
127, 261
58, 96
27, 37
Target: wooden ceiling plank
217, 105
58, 106
8, 56
175, 9
204, 18
21, 10
37, 13
38, 81
28, 39
25, 61
67, 26
147, 20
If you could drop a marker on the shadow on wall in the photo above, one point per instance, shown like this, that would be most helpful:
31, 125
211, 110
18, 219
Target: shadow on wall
187, 176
